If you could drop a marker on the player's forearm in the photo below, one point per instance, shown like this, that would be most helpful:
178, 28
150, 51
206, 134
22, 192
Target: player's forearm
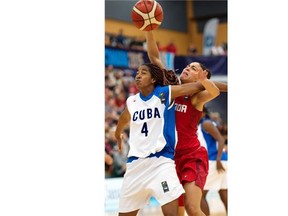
123, 121
186, 89
220, 142
223, 87
152, 48
120, 128
210, 87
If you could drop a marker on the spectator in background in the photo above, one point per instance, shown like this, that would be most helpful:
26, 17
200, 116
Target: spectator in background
120, 39
225, 47
171, 47
219, 50
108, 159
160, 47
120, 157
132, 88
211, 138
110, 80
163, 55
171, 51
120, 100
107, 39
192, 50
137, 43
127, 78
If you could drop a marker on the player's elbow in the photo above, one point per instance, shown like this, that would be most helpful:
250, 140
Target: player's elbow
215, 92
221, 140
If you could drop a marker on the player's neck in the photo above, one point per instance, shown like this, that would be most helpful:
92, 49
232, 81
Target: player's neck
147, 91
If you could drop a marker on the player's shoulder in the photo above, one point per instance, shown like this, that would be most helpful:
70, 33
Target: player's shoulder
162, 91
162, 88
132, 98
206, 122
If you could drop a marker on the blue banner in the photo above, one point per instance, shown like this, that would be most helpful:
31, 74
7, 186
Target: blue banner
123, 58
217, 64
132, 59
116, 57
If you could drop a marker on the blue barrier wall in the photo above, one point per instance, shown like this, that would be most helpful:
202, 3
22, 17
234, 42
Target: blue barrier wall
132, 59
217, 64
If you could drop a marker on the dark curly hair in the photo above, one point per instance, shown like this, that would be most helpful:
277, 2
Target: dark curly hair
170, 78
162, 76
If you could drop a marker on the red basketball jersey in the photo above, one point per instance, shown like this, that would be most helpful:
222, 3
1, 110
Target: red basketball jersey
187, 119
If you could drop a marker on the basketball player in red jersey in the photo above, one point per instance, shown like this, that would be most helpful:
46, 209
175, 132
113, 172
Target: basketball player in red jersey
190, 157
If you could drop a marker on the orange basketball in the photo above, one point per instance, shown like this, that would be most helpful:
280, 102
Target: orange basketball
147, 15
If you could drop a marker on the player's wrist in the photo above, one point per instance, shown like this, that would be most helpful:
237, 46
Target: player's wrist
203, 81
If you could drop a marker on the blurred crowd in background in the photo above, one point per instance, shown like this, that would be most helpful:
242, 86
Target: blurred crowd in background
138, 43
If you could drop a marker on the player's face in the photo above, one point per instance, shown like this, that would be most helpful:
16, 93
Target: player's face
143, 77
190, 72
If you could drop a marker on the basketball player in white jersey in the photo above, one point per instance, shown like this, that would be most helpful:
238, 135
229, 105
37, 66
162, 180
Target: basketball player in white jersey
152, 139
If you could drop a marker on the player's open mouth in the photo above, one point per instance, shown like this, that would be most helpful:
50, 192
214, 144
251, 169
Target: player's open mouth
184, 73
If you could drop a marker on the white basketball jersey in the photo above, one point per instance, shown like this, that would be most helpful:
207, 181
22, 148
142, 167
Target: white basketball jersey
152, 125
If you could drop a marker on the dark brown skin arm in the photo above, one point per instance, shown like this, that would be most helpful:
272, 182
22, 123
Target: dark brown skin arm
123, 121
215, 133
186, 89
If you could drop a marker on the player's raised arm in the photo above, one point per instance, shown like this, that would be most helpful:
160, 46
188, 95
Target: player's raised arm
152, 49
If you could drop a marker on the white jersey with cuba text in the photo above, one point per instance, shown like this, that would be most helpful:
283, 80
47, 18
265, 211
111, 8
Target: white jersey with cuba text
152, 125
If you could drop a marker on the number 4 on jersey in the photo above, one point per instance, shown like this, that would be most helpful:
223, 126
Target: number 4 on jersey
145, 129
